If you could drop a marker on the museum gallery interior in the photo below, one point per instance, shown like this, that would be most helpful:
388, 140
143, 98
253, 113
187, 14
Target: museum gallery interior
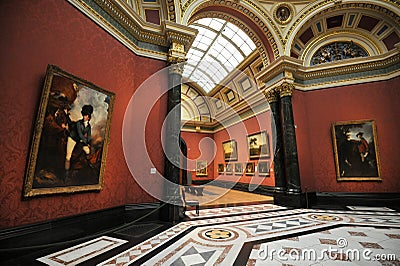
222, 132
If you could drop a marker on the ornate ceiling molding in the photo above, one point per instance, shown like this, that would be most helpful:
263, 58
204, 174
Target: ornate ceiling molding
339, 73
145, 39
260, 22
253, 36
321, 8
171, 10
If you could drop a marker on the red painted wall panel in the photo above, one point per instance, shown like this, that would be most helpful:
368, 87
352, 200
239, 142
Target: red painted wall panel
38, 33
200, 146
239, 133
315, 111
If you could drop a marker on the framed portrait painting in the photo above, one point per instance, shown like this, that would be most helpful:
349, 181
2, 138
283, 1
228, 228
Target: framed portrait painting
258, 145
71, 135
201, 168
230, 150
229, 168
356, 151
250, 168
221, 168
263, 168
238, 168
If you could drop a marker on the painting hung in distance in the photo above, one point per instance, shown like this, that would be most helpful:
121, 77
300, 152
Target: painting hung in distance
263, 168
201, 168
355, 148
229, 168
258, 145
221, 168
230, 150
238, 168
250, 167
71, 136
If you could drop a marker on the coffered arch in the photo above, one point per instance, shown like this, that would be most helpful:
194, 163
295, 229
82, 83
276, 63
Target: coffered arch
372, 27
195, 107
247, 17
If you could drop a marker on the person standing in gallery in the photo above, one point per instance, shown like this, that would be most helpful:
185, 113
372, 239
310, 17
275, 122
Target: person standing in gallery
81, 132
363, 147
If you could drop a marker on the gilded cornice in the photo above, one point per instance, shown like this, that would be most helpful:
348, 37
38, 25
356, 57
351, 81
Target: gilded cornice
251, 16
143, 38
352, 71
281, 65
357, 65
179, 34
134, 27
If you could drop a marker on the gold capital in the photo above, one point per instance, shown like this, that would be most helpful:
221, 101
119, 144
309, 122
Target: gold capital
176, 68
285, 89
272, 95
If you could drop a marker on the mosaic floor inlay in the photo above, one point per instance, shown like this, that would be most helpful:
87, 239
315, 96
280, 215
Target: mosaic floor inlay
82, 252
277, 236
365, 208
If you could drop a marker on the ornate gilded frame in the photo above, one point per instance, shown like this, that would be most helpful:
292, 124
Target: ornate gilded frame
230, 151
356, 151
201, 168
61, 102
258, 145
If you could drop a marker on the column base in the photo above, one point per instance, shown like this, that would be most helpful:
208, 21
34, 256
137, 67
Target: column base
293, 191
280, 190
295, 200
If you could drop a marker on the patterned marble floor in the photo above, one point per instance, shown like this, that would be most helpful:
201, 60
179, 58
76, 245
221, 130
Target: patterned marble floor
265, 235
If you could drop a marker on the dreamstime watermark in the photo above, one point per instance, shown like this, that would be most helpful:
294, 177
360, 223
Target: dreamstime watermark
331, 253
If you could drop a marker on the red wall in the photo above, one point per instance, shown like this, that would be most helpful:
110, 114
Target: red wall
237, 132
200, 146
314, 113
38, 33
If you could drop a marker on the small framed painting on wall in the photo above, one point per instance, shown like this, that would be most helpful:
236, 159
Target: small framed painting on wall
258, 145
201, 168
230, 150
250, 168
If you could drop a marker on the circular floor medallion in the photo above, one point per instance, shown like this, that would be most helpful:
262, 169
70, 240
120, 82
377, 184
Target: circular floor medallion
218, 234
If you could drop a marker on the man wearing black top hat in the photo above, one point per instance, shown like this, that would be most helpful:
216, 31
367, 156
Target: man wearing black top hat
79, 132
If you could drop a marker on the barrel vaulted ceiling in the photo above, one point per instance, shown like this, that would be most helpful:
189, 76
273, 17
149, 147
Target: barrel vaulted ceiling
323, 43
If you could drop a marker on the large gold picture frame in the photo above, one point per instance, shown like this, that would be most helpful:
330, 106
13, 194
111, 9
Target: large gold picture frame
258, 145
356, 151
230, 150
71, 135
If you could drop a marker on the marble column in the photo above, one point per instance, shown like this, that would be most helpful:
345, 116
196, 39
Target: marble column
289, 139
172, 211
279, 168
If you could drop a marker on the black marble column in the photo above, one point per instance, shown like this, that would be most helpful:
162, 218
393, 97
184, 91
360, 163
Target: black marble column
289, 139
279, 167
172, 211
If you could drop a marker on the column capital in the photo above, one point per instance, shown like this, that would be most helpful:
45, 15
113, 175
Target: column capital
285, 89
176, 58
272, 95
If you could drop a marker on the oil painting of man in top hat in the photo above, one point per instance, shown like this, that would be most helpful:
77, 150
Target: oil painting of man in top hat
67, 151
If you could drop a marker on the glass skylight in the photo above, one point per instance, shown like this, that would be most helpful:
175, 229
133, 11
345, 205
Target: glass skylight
218, 48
